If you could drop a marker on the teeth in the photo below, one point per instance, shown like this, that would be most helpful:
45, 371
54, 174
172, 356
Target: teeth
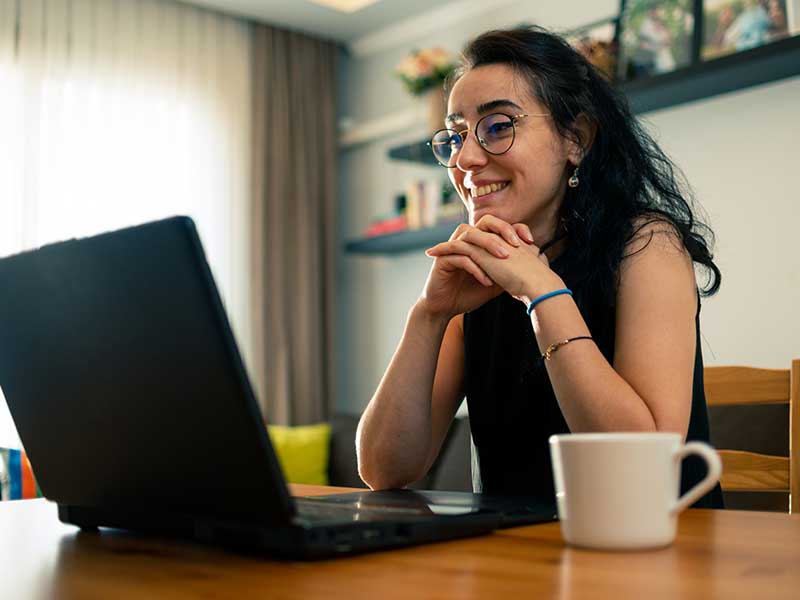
487, 189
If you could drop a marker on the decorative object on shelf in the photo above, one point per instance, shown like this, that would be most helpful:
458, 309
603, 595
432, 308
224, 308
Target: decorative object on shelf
386, 225
437, 108
423, 72
424, 200
656, 36
424, 204
735, 25
598, 44
424, 69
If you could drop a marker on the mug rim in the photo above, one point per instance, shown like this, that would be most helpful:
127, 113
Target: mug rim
620, 436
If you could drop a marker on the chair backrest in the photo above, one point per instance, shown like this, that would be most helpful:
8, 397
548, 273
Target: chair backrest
750, 471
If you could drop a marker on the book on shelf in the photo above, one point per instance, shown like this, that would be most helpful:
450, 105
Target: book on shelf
398, 223
425, 203
386, 226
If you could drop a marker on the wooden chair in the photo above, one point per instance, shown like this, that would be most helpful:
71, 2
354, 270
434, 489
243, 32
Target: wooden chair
749, 471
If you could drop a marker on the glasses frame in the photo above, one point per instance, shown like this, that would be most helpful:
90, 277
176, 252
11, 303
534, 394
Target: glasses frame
483, 143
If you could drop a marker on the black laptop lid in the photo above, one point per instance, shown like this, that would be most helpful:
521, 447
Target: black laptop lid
124, 381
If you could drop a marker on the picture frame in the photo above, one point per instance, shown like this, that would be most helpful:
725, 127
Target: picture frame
731, 26
598, 43
656, 37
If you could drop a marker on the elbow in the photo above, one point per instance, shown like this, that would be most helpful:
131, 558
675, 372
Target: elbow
383, 472
382, 475
376, 481
383, 466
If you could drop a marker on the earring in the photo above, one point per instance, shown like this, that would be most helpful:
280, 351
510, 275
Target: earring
574, 181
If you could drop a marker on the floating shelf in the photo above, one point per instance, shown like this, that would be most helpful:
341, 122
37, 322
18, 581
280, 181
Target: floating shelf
772, 62
416, 152
403, 241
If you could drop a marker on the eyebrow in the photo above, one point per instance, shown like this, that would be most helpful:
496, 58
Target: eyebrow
485, 108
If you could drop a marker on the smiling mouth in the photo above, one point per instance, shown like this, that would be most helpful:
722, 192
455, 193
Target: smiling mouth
487, 189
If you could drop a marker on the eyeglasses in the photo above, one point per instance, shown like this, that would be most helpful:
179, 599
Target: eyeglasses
495, 133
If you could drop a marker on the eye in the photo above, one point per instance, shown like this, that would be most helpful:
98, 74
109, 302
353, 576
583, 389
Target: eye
499, 127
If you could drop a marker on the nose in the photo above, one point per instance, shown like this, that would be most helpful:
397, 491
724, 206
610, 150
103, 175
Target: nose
471, 155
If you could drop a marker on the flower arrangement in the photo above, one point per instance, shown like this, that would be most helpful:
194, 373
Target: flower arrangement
423, 69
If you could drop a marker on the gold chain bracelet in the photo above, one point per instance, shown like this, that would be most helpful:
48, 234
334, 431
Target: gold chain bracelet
556, 345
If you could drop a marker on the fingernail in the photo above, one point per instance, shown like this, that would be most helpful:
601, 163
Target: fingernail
515, 240
503, 252
529, 236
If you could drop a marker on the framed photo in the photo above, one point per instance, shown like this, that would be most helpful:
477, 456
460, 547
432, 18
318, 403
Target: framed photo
598, 44
735, 25
656, 36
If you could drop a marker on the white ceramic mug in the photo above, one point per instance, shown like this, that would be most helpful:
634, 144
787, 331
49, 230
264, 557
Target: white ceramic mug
619, 491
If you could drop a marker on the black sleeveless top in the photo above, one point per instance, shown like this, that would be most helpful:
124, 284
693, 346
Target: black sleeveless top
513, 410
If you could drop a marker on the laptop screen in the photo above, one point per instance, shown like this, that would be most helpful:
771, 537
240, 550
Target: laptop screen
123, 378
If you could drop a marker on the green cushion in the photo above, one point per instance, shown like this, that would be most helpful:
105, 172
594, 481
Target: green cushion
302, 452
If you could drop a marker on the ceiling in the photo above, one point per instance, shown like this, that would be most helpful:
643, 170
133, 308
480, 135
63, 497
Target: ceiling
302, 15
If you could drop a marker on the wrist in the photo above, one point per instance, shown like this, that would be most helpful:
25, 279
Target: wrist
540, 288
422, 312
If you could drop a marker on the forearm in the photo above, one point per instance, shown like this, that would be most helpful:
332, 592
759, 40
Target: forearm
394, 434
591, 394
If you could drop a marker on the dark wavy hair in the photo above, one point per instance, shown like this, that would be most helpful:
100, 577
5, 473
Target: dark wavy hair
626, 180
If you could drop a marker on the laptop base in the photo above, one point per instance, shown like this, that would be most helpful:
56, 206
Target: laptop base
299, 541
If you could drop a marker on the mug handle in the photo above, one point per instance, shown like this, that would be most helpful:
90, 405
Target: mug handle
714, 465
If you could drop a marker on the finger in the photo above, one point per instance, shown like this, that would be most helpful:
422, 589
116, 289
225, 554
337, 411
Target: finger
472, 241
491, 242
462, 227
451, 247
465, 263
500, 227
524, 232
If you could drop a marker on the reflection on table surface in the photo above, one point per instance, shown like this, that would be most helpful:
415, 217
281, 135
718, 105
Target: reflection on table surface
727, 554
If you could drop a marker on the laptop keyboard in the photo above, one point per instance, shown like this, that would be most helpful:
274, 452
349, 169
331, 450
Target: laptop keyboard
313, 510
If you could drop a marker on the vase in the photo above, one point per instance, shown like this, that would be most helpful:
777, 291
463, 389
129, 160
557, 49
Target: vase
436, 107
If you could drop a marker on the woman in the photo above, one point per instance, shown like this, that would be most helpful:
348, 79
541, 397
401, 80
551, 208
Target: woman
574, 213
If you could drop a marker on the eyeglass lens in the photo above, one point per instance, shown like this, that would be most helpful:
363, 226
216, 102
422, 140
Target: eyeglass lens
495, 133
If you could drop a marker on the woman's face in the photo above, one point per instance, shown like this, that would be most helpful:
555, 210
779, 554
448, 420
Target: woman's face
532, 175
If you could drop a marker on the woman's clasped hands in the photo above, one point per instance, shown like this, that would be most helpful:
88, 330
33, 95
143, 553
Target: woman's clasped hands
479, 262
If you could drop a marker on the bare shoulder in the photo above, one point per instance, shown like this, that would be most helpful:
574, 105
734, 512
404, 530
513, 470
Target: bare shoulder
655, 234
656, 268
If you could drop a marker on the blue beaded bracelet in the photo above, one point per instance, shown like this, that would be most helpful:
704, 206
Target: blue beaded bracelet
544, 297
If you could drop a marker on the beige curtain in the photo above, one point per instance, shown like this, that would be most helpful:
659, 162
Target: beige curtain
116, 112
294, 192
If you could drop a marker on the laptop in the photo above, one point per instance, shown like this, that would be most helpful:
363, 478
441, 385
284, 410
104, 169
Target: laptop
130, 397
514, 510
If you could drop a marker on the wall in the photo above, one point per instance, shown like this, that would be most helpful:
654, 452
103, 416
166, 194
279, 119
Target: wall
738, 151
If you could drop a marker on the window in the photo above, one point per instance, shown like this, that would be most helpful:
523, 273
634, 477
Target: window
118, 113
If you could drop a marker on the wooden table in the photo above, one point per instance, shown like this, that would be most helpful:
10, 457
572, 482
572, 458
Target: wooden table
718, 554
